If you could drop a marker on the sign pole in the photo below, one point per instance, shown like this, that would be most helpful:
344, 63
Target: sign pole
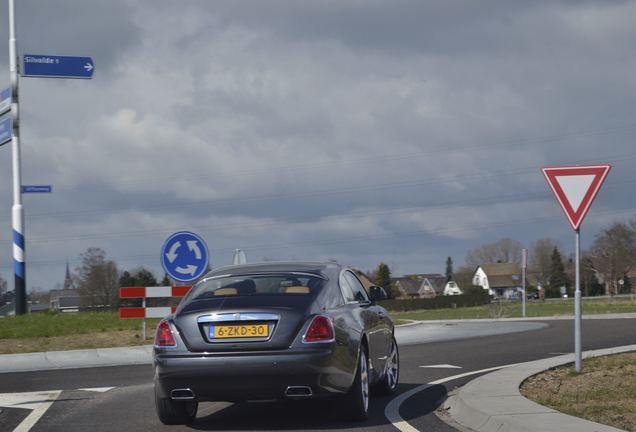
17, 213
577, 303
143, 324
524, 261
575, 187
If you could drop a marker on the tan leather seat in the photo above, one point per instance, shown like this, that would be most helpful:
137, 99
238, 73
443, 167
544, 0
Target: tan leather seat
297, 290
226, 291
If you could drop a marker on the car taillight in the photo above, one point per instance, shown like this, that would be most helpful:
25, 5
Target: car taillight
320, 330
164, 336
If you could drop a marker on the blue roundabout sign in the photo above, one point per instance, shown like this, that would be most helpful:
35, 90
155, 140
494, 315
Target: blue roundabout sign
184, 256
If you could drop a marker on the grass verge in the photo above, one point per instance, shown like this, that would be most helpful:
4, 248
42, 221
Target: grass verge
604, 392
552, 307
106, 339
65, 331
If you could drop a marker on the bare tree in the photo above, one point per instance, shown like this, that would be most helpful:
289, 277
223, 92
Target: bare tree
504, 250
97, 279
3, 286
540, 259
464, 277
613, 254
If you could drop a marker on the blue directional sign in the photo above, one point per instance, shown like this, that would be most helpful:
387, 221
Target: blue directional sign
5, 101
184, 256
37, 189
6, 126
57, 66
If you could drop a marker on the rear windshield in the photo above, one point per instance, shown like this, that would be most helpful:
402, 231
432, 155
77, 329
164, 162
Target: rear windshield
252, 285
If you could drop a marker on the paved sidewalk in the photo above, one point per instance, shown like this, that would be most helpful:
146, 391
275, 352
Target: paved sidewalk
493, 403
76, 359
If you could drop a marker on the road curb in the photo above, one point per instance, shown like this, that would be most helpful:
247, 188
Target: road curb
493, 403
53, 360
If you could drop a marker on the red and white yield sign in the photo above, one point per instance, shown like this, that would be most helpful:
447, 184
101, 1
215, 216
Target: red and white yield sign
575, 188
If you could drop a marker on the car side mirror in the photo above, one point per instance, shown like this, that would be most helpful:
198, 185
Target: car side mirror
377, 293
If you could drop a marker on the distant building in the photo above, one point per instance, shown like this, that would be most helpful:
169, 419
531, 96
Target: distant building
425, 286
502, 280
409, 287
451, 288
65, 300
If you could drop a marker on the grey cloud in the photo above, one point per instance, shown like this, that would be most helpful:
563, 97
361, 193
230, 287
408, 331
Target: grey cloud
363, 131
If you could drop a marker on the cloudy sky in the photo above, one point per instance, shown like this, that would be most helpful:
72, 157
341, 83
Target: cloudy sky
363, 131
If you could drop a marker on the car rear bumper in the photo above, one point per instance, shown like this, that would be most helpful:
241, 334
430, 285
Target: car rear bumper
253, 376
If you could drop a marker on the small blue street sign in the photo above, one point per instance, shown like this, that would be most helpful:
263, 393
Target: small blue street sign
57, 66
184, 256
6, 126
37, 189
5, 101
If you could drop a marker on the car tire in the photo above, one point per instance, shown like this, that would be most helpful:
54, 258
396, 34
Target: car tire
175, 412
389, 381
357, 399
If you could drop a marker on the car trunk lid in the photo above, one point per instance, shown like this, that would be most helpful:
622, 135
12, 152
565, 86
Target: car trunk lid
255, 322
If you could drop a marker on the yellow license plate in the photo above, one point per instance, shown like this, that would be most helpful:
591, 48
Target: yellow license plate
239, 331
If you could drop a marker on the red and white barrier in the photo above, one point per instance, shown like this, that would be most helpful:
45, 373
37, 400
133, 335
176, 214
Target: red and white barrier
153, 292
146, 312
150, 292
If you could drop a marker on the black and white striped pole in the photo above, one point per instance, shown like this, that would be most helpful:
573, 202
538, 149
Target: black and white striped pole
17, 211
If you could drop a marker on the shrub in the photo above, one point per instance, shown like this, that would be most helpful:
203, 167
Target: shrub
439, 302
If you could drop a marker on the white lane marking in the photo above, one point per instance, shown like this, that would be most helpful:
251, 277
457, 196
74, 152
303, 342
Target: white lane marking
392, 410
442, 366
97, 389
39, 402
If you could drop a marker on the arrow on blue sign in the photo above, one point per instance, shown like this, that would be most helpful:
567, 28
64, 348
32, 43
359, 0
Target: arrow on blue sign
184, 256
57, 66
6, 127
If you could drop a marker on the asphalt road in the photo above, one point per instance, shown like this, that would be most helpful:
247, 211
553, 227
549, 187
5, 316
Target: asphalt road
129, 404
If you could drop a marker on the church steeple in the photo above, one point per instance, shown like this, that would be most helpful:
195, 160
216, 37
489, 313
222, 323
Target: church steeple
68, 281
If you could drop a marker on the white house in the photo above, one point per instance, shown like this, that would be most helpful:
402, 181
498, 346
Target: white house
501, 280
451, 288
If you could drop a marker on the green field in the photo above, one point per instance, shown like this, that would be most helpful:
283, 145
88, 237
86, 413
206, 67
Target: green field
535, 308
63, 324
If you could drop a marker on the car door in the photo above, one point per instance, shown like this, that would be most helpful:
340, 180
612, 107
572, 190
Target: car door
373, 320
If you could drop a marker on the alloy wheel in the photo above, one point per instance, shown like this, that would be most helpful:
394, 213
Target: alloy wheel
364, 380
392, 367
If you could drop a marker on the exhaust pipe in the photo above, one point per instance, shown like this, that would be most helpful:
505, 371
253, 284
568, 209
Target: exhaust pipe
182, 394
298, 391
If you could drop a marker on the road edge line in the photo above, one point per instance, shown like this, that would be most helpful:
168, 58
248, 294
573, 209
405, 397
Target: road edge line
392, 409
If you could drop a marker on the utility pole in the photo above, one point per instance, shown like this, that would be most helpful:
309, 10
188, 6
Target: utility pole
17, 211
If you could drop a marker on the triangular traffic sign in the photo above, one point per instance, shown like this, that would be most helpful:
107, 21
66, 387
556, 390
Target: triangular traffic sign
575, 188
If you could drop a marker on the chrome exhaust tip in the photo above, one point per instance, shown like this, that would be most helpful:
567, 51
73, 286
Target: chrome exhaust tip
182, 394
298, 391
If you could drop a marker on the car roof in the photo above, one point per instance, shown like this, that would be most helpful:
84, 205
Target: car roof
270, 267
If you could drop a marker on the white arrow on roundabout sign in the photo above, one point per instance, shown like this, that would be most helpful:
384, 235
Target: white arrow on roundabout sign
184, 256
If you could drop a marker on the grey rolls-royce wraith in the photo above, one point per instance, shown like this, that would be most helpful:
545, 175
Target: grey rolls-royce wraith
274, 331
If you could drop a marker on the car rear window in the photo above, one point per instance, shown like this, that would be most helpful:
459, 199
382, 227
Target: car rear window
253, 285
